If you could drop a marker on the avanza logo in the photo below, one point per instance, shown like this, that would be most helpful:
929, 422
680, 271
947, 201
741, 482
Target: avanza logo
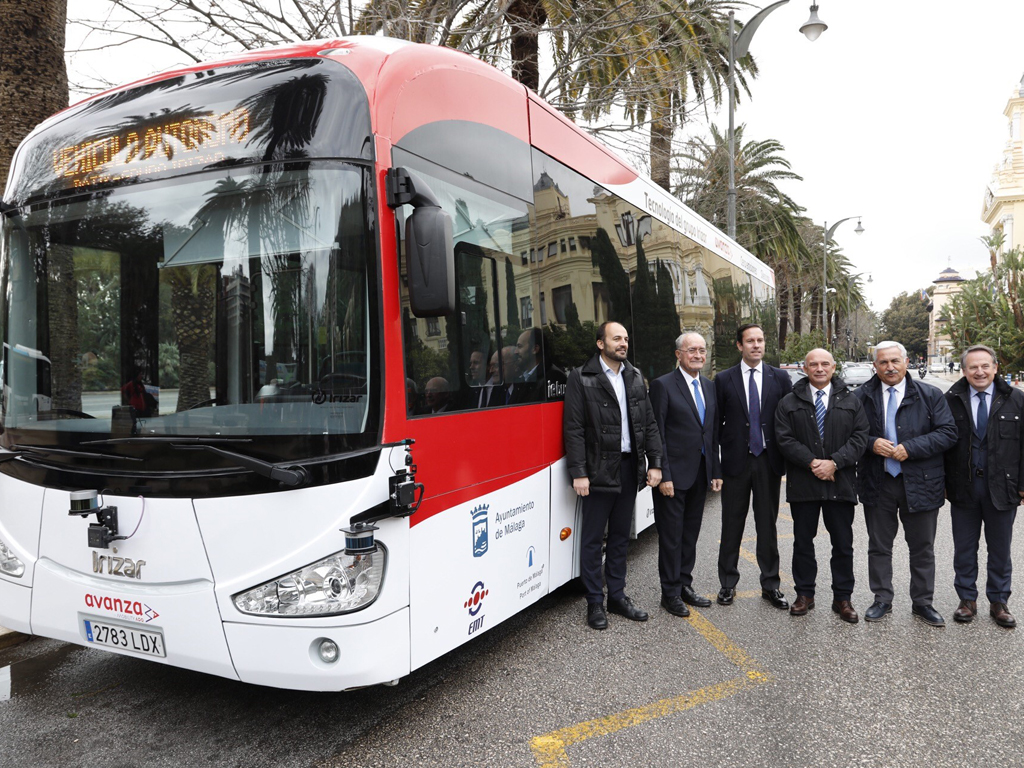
132, 609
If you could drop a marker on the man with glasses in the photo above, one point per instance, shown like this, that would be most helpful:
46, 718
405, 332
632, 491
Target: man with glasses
984, 480
687, 415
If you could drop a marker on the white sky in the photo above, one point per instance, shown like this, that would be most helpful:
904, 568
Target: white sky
893, 114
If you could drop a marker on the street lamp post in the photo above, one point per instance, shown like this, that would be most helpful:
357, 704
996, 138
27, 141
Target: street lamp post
738, 47
824, 270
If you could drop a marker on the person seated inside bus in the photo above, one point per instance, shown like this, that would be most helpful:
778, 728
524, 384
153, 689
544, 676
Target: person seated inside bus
437, 396
412, 395
532, 351
509, 375
483, 381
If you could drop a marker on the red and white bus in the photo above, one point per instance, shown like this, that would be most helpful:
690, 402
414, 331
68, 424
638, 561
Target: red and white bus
285, 340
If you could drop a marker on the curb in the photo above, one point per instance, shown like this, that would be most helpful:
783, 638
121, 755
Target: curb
9, 638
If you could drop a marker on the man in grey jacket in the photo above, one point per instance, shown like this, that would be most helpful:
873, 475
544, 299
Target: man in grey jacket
901, 479
610, 439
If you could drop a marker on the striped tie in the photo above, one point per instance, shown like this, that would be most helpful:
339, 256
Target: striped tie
819, 414
699, 400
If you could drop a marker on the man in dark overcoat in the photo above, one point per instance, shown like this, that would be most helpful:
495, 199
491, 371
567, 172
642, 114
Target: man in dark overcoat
611, 439
901, 478
822, 432
984, 480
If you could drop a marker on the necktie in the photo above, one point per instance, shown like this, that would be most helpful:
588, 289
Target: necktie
756, 438
699, 399
982, 418
891, 465
819, 414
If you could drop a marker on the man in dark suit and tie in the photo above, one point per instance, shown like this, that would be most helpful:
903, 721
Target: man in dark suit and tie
984, 480
687, 415
752, 465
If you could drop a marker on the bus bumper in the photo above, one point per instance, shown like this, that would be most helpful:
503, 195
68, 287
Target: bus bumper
287, 657
15, 607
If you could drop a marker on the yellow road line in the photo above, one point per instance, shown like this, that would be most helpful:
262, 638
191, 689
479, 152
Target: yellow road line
550, 749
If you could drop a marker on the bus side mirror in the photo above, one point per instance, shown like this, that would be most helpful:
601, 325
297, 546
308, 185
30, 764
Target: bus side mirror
429, 246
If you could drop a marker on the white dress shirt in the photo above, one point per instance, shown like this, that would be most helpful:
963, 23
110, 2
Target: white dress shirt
620, 392
990, 391
758, 379
824, 398
688, 379
901, 390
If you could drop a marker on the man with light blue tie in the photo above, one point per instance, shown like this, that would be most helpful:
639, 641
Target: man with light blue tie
687, 417
901, 478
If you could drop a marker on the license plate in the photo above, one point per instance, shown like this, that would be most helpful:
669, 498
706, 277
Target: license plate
146, 642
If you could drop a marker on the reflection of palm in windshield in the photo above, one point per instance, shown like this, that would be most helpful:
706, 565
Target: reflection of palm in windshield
247, 293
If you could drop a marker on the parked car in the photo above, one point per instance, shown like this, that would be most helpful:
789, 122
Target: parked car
938, 368
856, 374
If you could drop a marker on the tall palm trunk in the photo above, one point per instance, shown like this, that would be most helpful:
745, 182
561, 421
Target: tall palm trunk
782, 294
661, 145
525, 18
33, 77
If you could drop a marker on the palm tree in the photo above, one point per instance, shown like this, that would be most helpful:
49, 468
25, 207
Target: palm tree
994, 243
768, 221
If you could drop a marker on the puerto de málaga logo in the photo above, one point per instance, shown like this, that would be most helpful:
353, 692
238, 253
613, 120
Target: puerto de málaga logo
479, 516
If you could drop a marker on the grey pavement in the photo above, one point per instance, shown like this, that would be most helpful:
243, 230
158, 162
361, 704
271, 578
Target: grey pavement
745, 685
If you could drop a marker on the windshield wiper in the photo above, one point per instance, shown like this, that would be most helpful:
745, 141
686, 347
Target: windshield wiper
18, 450
290, 476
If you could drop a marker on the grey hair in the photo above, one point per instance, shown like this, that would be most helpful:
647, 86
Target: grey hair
887, 344
684, 334
977, 348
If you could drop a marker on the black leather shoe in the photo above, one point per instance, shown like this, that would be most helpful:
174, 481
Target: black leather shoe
691, 597
625, 607
1002, 616
596, 617
726, 596
877, 611
775, 597
928, 615
675, 605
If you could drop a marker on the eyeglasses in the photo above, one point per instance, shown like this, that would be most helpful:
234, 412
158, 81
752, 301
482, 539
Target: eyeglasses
702, 351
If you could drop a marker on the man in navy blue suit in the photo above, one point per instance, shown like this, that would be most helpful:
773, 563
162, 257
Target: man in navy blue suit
752, 465
687, 416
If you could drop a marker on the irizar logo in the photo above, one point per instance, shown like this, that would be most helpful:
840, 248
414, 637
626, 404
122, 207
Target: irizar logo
117, 566
479, 516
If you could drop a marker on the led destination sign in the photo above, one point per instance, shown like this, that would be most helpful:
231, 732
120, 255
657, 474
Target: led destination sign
152, 148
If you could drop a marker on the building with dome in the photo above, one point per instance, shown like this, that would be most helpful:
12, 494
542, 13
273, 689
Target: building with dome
940, 345
1004, 194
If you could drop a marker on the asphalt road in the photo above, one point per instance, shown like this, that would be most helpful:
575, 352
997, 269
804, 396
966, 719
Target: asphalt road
745, 685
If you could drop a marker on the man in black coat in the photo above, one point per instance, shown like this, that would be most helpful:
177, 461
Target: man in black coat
822, 432
984, 480
610, 438
747, 396
901, 478
686, 412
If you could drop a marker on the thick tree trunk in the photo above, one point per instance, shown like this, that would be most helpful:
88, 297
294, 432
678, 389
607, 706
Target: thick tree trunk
33, 77
192, 309
782, 300
661, 148
525, 20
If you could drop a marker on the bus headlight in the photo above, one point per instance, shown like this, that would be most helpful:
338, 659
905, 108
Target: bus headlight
9, 564
337, 584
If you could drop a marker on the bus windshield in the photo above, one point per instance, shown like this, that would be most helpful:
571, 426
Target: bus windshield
229, 303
